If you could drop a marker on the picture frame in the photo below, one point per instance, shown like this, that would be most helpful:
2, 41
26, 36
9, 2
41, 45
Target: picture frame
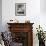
20, 9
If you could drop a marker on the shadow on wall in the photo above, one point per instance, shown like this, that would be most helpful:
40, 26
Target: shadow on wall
43, 6
0, 15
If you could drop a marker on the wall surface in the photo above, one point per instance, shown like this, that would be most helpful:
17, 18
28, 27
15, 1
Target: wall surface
43, 14
33, 13
43, 6
0, 15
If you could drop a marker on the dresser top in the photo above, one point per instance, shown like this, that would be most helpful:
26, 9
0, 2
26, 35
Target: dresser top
19, 23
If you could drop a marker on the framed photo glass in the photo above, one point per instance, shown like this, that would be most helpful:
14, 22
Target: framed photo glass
20, 9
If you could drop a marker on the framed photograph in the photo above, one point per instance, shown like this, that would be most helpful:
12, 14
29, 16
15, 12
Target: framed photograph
20, 9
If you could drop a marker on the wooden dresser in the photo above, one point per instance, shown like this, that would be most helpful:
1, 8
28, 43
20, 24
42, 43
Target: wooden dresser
22, 33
